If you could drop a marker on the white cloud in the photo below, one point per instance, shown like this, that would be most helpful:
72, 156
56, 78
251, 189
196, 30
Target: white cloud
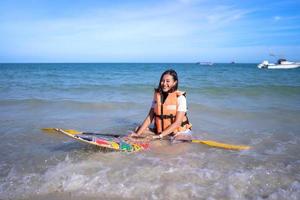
173, 29
277, 18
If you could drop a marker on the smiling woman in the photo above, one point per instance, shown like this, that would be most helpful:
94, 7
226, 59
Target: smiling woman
168, 111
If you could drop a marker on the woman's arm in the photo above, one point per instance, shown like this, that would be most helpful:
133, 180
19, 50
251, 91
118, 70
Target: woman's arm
172, 127
146, 122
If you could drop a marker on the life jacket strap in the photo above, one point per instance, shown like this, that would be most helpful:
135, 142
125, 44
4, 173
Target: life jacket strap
185, 123
165, 116
172, 117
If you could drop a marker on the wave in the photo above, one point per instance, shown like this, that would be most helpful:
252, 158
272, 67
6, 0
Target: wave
130, 91
108, 105
77, 87
206, 174
250, 91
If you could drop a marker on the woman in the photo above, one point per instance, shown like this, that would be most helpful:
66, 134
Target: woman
168, 111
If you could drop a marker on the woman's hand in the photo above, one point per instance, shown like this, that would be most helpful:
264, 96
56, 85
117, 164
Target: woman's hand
133, 134
136, 135
155, 137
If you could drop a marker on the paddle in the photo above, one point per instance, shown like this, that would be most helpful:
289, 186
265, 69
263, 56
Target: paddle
221, 145
210, 143
75, 132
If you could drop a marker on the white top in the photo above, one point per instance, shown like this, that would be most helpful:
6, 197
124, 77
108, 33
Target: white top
181, 102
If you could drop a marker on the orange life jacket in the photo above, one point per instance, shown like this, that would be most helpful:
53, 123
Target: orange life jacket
165, 113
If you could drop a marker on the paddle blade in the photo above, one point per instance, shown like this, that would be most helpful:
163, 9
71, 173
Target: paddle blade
49, 130
72, 131
221, 145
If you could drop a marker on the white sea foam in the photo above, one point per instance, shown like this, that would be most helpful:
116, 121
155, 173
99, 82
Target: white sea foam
211, 175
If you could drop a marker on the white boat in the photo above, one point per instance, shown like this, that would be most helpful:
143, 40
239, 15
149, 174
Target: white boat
205, 63
281, 64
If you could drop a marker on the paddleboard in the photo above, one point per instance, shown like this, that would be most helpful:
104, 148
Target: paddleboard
113, 142
119, 142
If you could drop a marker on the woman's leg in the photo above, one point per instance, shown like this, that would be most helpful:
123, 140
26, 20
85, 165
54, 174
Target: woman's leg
183, 136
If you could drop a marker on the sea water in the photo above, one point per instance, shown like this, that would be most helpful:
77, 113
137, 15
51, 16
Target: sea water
231, 103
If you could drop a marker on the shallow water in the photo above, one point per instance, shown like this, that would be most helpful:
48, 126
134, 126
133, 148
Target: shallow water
237, 104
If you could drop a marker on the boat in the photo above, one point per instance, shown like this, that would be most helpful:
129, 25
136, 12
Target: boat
205, 63
281, 64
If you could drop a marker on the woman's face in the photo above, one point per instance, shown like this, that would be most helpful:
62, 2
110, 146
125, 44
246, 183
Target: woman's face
167, 83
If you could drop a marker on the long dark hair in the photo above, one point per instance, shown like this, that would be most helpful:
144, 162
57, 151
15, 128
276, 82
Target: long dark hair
173, 73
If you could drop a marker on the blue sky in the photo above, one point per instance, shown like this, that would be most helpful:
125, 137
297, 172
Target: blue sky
148, 31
